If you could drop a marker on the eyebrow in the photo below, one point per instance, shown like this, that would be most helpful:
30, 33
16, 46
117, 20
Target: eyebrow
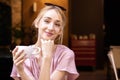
51, 18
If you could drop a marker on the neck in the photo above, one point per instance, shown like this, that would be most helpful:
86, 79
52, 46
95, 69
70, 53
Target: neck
38, 43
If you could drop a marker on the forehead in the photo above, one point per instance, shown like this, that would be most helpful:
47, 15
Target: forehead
53, 15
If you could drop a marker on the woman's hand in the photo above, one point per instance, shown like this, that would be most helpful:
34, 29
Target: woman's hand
48, 48
18, 58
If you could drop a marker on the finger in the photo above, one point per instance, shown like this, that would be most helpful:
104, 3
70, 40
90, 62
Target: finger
18, 59
14, 51
38, 49
46, 41
20, 62
52, 41
18, 55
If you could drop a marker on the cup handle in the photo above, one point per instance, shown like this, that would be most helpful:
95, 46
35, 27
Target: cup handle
37, 51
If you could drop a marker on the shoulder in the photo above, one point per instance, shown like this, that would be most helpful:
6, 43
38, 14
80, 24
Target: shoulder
64, 50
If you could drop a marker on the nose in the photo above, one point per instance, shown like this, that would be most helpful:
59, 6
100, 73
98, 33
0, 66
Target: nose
51, 26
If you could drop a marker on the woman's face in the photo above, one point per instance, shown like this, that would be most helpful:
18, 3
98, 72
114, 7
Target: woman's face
50, 25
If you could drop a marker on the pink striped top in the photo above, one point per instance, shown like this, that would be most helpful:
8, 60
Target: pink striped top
63, 60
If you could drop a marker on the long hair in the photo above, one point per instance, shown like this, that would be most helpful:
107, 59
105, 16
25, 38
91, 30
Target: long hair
59, 38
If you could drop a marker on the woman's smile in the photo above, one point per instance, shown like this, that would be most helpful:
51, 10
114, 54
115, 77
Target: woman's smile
49, 34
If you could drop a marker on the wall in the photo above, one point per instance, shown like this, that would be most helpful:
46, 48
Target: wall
86, 16
111, 20
5, 23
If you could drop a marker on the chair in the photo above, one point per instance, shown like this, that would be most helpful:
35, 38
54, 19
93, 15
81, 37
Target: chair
114, 57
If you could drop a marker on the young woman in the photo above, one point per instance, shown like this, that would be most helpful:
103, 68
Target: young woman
54, 61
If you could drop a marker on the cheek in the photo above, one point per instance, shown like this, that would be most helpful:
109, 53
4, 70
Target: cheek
59, 31
41, 26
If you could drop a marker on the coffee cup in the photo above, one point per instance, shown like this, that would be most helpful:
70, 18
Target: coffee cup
29, 50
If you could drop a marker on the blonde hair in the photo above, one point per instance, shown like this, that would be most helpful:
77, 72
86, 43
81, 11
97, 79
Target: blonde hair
59, 39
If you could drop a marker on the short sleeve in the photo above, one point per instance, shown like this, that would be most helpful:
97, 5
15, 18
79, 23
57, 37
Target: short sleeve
67, 63
15, 74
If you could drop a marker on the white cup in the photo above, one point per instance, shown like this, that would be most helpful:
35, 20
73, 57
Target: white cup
29, 50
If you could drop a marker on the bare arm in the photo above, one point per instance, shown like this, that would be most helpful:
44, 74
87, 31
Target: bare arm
48, 49
58, 75
45, 71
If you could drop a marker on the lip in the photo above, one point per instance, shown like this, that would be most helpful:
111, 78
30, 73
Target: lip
49, 33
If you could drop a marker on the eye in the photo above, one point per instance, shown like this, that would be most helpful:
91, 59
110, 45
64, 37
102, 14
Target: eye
46, 21
57, 24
